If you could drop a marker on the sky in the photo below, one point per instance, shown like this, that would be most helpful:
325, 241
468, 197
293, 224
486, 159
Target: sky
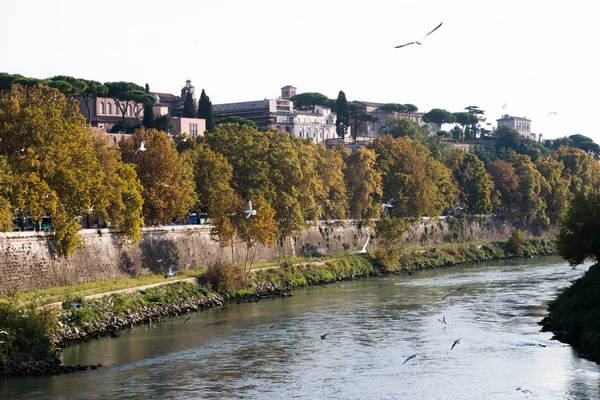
535, 57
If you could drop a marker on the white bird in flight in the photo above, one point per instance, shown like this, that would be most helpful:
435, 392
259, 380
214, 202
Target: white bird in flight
387, 206
418, 41
141, 148
364, 249
416, 355
171, 272
249, 211
552, 113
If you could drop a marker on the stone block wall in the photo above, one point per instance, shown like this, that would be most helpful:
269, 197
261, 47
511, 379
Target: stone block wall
27, 259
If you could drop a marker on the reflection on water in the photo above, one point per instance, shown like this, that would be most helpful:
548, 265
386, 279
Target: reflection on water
273, 348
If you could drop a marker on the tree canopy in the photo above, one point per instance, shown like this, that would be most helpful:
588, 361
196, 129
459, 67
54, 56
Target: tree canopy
579, 236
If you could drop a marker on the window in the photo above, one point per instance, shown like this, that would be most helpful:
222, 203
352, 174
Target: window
109, 108
129, 110
193, 129
116, 109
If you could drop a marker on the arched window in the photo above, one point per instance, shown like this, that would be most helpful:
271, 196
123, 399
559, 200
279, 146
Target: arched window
129, 110
108, 108
116, 109
101, 108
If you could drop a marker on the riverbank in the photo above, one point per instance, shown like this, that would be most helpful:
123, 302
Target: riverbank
574, 316
83, 319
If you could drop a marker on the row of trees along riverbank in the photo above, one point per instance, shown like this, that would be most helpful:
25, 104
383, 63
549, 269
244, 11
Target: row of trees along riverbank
52, 164
33, 335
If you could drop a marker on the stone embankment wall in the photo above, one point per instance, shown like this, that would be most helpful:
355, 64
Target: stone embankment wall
27, 259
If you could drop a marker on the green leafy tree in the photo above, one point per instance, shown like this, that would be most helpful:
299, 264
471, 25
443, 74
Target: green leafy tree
260, 228
390, 232
238, 120
581, 169
439, 116
530, 203
579, 236
363, 181
189, 107
403, 127
508, 137
342, 121
6, 181
164, 123
466, 120
474, 183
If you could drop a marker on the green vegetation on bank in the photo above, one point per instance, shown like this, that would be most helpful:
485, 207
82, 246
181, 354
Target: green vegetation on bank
574, 316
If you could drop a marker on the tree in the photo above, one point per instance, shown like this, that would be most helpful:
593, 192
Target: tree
189, 107
167, 178
164, 123
403, 127
68, 85
51, 155
508, 137
126, 94
438, 117
506, 184
238, 120
581, 169
205, 111
148, 121
419, 184
6, 209
531, 205
466, 119
477, 121
556, 190
342, 122
474, 183
358, 116
390, 233
579, 236
516, 242
364, 184
93, 90
333, 198
307, 101
257, 229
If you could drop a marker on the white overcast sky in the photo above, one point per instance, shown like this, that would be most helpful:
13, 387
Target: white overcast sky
533, 56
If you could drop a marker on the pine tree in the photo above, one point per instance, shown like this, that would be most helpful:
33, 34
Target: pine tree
342, 121
148, 121
189, 108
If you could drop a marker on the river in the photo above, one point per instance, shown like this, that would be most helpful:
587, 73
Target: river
272, 349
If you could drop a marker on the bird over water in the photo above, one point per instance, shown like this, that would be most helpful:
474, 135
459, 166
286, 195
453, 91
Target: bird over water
418, 41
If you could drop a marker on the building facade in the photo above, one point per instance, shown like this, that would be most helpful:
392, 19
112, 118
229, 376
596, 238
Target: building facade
106, 112
194, 127
522, 125
379, 126
317, 124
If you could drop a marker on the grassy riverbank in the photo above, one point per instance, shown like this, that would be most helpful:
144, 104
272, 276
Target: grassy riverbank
574, 316
81, 318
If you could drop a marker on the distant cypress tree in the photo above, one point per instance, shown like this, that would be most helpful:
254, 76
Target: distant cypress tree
342, 122
205, 111
148, 121
210, 119
189, 108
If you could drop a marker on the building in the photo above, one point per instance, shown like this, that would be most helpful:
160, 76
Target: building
173, 104
522, 125
280, 114
194, 127
106, 112
379, 127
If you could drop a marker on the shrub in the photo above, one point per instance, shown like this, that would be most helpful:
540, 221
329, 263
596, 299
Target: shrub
516, 241
225, 277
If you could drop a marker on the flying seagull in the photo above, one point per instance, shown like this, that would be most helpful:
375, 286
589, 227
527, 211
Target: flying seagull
171, 272
188, 318
272, 326
249, 211
3, 333
452, 292
525, 391
443, 320
141, 148
416, 355
181, 141
552, 113
457, 341
364, 249
91, 209
418, 41
324, 336
386, 206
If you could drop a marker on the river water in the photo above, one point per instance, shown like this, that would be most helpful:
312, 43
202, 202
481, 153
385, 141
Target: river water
272, 349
